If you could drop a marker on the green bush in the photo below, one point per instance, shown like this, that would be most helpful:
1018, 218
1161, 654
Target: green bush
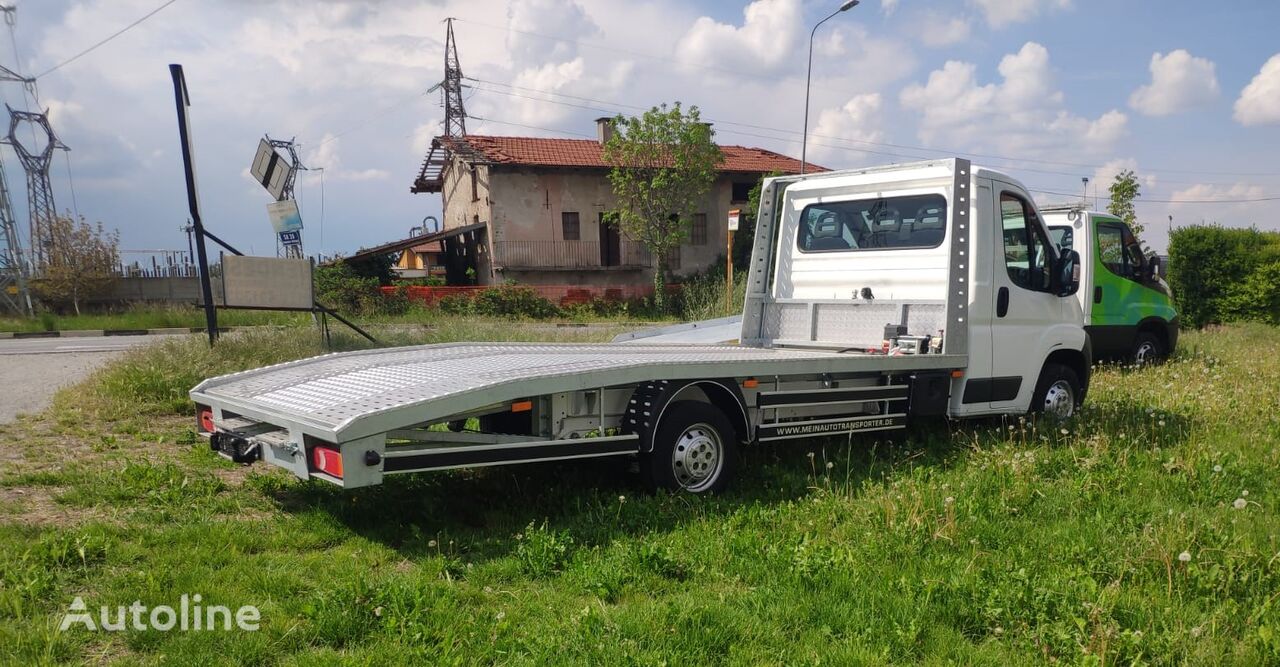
514, 302
341, 288
455, 304
1220, 274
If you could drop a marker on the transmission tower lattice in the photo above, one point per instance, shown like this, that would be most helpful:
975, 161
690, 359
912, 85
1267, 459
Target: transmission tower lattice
431, 176
14, 296
39, 188
291, 148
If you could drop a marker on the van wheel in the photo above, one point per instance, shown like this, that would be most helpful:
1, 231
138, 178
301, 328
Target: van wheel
1057, 392
1147, 349
694, 450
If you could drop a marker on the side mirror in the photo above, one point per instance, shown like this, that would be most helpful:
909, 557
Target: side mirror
1156, 270
1068, 273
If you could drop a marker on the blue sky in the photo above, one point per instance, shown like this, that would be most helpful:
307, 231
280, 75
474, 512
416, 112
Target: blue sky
1058, 89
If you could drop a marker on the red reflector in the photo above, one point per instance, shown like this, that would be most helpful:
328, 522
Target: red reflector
206, 420
327, 461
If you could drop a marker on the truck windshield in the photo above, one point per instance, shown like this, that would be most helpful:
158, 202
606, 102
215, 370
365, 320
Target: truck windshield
918, 221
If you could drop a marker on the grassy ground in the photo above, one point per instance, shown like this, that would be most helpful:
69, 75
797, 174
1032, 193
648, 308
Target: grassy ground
1143, 531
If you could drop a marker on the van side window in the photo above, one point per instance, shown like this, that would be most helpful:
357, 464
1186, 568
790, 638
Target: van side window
1027, 256
891, 223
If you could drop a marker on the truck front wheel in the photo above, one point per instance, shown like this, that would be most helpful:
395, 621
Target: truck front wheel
694, 449
1057, 392
1147, 349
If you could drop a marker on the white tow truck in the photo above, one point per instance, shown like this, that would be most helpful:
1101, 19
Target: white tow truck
875, 296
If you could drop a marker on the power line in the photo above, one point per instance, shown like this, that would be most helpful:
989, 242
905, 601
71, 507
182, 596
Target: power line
527, 127
1144, 200
940, 151
114, 35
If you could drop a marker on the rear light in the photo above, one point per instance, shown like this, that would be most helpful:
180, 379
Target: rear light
204, 416
327, 461
522, 406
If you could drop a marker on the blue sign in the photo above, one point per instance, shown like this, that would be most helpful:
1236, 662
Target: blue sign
291, 238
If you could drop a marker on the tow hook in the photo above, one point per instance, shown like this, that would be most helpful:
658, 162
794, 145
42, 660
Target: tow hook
237, 448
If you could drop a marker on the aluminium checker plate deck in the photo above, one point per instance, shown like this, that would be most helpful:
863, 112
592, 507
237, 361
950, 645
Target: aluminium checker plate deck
348, 395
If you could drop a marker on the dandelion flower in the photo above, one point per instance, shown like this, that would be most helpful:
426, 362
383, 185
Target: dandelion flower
830, 465
1185, 557
500, 615
949, 500
1244, 493
622, 499
1161, 422
1065, 431
431, 544
1217, 468
1240, 503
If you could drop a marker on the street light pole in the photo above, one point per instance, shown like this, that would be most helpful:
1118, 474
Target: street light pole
808, 77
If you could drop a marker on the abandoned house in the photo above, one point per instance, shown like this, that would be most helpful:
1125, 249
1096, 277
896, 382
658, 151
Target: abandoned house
532, 210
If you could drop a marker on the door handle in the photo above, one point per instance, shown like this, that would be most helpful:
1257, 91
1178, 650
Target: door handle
1002, 302
1097, 294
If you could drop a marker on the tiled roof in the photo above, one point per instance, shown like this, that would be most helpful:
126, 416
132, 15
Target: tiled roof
588, 153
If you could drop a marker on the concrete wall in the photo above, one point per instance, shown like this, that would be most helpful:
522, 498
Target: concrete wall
175, 290
464, 207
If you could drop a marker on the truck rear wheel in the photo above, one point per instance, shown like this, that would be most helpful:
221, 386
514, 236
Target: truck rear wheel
1147, 349
694, 449
1057, 392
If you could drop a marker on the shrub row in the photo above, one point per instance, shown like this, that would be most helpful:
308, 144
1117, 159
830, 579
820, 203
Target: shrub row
1225, 275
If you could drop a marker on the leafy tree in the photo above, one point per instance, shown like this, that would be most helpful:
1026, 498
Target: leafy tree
744, 239
663, 164
82, 263
1124, 190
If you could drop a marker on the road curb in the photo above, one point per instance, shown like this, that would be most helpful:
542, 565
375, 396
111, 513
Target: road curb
81, 333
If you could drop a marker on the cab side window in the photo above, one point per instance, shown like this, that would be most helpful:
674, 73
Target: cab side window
1027, 256
1119, 251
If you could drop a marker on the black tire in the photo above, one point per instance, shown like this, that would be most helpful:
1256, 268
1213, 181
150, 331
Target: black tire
695, 449
1147, 349
1058, 392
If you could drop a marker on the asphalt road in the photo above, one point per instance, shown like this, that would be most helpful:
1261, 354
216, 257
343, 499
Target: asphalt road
32, 369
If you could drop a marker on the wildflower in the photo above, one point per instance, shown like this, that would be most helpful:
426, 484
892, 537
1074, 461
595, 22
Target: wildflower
1217, 468
1240, 503
1244, 493
500, 615
431, 544
622, 499
1185, 557
949, 500
810, 456
1161, 422
830, 465
1065, 431
377, 611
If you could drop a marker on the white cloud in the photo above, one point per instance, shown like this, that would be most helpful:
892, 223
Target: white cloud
1001, 13
763, 42
325, 156
1021, 114
1179, 81
858, 120
549, 17
938, 30
888, 7
551, 77
1259, 102
1106, 174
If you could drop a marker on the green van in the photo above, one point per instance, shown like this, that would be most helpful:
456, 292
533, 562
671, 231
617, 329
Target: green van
1128, 310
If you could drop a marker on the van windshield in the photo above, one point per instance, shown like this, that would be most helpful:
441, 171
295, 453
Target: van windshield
873, 224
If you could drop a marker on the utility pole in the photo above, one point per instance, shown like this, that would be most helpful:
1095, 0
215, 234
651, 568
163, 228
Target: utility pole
290, 147
431, 176
39, 188
15, 295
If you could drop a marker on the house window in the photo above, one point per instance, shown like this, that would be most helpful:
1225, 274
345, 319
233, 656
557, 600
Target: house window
475, 190
741, 192
673, 258
698, 234
569, 227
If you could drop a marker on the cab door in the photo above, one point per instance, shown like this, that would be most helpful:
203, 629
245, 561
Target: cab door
1023, 302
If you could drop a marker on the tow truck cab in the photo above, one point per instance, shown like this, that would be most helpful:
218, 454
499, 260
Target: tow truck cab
1127, 307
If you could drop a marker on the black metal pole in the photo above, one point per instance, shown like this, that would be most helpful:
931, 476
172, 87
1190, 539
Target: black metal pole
193, 201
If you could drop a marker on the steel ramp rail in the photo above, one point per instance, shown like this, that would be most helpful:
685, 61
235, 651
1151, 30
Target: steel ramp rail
349, 395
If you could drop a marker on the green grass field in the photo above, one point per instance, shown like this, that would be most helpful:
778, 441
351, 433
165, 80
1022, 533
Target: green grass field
1141, 532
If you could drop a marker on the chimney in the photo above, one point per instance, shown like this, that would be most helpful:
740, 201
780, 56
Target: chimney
604, 129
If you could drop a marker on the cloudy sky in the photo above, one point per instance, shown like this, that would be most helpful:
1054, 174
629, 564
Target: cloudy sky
1186, 93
